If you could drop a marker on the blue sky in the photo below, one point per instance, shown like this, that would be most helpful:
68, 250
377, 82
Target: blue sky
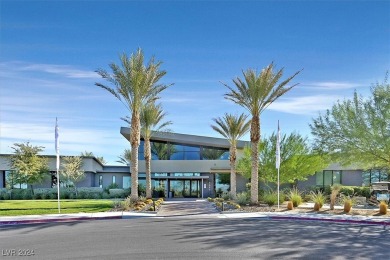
49, 51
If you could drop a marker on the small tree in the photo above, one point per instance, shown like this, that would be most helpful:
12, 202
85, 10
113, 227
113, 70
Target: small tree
298, 161
27, 166
357, 131
72, 170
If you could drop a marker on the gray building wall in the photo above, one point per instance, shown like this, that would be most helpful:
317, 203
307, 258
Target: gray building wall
310, 182
352, 178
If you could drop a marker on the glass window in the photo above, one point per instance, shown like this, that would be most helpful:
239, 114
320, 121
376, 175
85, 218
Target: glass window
126, 182
366, 177
319, 178
328, 178
222, 183
336, 177
13, 181
101, 181
383, 175
114, 179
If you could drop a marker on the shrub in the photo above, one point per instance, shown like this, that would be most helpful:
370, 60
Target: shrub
318, 197
362, 191
295, 196
53, 196
111, 186
347, 190
64, 194
226, 195
271, 198
16, 194
335, 192
117, 193
106, 196
44, 196
26, 195
242, 198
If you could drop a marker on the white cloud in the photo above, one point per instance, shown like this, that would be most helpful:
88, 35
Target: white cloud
307, 105
330, 85
63, 70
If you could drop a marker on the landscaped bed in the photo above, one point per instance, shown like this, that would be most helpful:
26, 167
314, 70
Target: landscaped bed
308, 208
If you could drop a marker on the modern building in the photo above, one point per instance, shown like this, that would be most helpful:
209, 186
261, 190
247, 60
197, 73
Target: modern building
182, 166
188, 166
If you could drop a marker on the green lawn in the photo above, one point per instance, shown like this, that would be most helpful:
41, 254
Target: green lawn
38, 207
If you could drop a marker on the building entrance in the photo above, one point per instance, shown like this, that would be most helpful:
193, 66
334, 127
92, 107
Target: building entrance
184, 188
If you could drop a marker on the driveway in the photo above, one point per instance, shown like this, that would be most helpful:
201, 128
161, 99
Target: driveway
186, 207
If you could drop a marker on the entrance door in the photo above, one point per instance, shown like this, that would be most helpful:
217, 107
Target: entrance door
185, 188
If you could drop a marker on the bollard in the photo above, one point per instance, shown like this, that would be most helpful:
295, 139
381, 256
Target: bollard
223, 203
154, 205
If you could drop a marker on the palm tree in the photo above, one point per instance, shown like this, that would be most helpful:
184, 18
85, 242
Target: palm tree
255, 93
135, 85
151, 119
232, 128
125, 157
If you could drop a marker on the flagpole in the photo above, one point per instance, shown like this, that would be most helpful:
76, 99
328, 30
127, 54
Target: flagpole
278, 161
57, 165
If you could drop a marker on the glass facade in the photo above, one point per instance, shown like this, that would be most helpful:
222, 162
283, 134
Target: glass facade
375, 175
12, 181
168, 151
328, 178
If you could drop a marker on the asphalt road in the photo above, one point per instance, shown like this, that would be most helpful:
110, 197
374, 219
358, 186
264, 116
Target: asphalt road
195, 238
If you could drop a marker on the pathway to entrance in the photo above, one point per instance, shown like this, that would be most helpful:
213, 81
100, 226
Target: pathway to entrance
186, 207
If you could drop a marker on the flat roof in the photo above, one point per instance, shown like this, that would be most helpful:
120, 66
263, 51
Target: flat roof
186, 139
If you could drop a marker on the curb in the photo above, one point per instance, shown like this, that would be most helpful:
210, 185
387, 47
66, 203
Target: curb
54, 220
351, 221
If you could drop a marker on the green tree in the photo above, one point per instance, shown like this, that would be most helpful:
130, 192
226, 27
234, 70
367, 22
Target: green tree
72, 171
27, 166
152, 116
357, 131
255, 93
297, 160
125, 157
135, 85
232, 128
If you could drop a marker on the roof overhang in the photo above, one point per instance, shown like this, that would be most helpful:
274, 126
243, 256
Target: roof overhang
186, 139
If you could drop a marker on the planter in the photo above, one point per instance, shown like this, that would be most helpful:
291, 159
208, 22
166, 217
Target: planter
290, 205
347, 207
317, 206
383, 208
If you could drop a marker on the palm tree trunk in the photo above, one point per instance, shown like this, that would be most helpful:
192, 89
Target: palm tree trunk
255, 137
147, 155
233, 179
135, 134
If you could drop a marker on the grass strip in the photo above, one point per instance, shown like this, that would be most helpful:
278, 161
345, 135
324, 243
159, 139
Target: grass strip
39, 207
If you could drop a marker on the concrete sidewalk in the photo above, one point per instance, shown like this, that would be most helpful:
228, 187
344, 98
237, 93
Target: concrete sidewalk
193, 208
35, 219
